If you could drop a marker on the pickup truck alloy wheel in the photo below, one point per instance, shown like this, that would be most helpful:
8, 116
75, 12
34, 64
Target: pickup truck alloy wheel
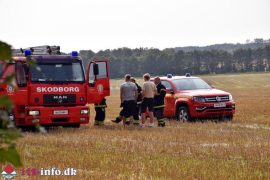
183, 114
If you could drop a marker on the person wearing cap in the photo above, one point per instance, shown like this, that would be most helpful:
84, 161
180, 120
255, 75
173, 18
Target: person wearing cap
148, 92
159, 102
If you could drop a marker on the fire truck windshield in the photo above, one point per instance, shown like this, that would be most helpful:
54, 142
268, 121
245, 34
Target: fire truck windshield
57, 72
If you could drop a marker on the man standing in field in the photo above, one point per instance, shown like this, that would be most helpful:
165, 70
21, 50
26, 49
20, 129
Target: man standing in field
159, 102
148, 92
128, 96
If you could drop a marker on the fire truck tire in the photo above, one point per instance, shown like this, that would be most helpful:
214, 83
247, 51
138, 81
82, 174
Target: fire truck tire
183, 114
72, 126
28, 129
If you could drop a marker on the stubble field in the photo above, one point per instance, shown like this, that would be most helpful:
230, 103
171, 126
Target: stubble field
236, 150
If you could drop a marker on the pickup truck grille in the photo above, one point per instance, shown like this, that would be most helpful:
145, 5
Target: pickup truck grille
57, 99
217, 98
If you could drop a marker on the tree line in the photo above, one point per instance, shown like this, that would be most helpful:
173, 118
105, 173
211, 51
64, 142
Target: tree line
161, 62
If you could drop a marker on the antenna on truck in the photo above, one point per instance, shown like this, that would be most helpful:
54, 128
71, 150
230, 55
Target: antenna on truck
38, 50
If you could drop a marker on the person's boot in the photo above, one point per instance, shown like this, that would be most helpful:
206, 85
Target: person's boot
117, 120
161, 123
99, 123
136, 122
127, 122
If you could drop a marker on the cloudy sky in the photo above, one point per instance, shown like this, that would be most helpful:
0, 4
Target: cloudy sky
109, 24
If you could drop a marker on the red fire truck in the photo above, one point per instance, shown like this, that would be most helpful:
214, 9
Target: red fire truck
52, 89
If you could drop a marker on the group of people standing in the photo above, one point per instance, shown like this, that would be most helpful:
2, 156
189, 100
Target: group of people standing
137, 101
147, 100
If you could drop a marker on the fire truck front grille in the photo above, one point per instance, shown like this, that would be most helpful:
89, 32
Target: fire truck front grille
59, 120
56, 99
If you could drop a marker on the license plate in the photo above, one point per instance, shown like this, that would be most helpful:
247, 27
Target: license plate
60, 112
220, 105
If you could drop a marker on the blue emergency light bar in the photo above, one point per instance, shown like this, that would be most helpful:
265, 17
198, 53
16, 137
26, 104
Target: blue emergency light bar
27, 52
74, 53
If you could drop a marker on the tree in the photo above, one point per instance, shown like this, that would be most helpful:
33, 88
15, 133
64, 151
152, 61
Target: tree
8, 134
202, 61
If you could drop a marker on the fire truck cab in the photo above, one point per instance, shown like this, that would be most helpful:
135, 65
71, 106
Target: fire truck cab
52, 89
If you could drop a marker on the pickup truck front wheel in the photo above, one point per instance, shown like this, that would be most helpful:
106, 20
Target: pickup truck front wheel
183, 114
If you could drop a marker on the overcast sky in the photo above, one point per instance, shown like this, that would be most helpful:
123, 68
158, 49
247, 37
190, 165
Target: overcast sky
109, 24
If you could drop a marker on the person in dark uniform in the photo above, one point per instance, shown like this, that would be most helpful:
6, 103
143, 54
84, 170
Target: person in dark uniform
159, 102
100, 113
136, 120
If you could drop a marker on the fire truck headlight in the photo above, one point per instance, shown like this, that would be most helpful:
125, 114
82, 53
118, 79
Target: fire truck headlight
85, 111
33, 113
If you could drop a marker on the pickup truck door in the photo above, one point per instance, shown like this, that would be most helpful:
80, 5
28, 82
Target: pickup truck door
98, 81
169, 99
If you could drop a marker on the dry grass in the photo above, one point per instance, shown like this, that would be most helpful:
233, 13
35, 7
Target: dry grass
237, 150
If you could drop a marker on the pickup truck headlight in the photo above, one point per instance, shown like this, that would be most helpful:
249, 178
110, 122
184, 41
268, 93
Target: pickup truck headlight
230, 98
33, 113
85, 111
198, 99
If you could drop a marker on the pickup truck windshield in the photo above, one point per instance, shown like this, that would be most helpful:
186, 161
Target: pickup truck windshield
191, 84
60, 72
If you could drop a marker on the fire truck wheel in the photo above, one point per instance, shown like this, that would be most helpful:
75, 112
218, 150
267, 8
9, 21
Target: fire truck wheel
28, 129
183, 114
72, 126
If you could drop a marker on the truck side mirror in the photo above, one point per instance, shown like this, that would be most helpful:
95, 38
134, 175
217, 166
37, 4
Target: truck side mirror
26, 70
96, 69
20, 75
171, 91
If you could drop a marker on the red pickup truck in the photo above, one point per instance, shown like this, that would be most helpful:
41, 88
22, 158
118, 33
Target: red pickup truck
189, 98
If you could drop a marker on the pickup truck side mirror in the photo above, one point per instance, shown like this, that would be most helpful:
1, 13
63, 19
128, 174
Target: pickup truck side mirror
171, 91
96, 69
214, 87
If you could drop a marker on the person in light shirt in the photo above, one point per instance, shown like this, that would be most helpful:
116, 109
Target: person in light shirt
148, 92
